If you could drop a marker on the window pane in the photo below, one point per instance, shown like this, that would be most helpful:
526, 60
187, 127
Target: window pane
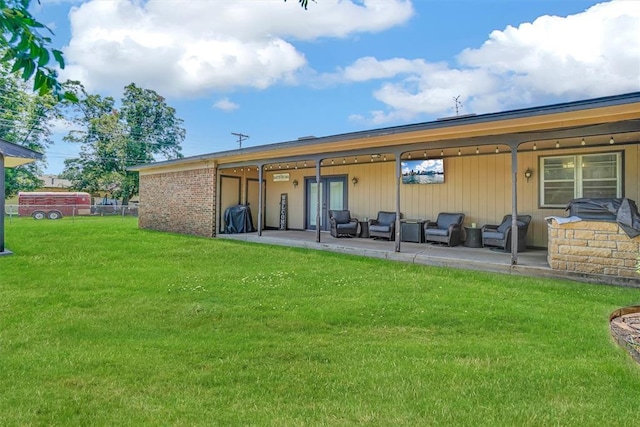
313, 203
336, 195
558, 193
562, 168
601, 166
606, 188
559, 180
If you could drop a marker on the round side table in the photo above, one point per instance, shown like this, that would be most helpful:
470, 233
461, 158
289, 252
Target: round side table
474, 237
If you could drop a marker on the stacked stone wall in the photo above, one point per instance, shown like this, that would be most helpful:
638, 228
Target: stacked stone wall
180, 202
593, 247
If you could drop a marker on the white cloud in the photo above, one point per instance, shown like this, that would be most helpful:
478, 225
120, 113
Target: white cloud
225, 104
192, 47
590, 54
369, 68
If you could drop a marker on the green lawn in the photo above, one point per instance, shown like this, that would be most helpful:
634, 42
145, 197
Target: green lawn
105, 324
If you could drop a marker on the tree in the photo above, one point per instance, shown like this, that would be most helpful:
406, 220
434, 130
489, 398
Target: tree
25, 119
28, 50
144, 128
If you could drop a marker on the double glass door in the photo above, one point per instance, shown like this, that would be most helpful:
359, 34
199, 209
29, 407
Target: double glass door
333, 196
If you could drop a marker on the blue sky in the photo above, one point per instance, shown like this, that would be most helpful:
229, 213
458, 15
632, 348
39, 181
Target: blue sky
275, 72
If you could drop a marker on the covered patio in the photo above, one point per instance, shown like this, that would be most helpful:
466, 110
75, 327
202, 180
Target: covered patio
532, 262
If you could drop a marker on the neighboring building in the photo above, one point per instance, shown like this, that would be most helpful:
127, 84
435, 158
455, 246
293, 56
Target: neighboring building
531, 160
53, 183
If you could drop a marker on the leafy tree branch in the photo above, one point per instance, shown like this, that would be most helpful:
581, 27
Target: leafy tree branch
29, 51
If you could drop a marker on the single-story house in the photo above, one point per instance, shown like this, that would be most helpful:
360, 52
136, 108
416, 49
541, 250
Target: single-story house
527, 161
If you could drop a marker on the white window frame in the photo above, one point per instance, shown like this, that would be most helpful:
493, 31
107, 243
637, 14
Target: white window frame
576, 159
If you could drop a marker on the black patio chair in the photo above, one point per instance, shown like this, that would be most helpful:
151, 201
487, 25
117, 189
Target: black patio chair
499, 236
384, 226
446, 229
342, 224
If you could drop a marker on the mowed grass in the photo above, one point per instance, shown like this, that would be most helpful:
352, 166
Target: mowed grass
102, 323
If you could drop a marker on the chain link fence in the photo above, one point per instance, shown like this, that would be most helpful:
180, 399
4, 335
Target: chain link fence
53, 212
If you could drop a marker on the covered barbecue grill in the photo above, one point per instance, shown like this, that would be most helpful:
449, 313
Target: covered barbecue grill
237, 219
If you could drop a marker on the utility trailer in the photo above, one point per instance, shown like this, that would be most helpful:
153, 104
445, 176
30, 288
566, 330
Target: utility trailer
53, 205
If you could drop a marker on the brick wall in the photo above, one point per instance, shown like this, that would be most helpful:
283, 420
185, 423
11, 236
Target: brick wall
595, 247
180, 202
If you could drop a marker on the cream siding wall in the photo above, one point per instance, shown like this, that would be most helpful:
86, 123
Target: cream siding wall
479, 186
295, 196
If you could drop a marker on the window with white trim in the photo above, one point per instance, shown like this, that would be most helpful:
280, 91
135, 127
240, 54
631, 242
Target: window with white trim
585, 175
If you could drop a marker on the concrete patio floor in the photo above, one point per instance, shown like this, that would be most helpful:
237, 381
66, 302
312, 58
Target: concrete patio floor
532, 262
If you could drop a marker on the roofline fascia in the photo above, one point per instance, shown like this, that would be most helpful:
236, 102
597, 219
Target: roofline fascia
9, 149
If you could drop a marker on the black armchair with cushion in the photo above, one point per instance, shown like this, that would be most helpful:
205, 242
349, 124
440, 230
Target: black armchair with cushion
342, 224
383, 226
446, 229
500, 235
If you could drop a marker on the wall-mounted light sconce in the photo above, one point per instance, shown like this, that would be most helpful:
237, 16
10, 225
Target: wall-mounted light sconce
611, 141
295, 183
528, 174
354, 181
557, 144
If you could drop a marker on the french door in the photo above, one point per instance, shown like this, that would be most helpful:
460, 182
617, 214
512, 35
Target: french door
333, 196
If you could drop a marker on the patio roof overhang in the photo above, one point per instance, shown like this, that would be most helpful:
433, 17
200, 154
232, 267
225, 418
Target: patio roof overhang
11, 155
16, 155
619, 115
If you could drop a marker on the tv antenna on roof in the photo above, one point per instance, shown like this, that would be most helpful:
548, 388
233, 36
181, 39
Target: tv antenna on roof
241, 137
456, 99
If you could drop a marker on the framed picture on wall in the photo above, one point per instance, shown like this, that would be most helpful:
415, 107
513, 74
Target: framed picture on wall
429, 171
